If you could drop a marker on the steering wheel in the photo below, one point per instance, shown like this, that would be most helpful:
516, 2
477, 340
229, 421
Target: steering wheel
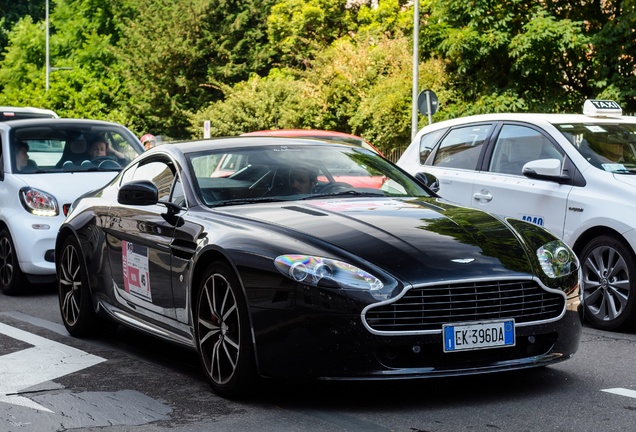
335, 187
98, 160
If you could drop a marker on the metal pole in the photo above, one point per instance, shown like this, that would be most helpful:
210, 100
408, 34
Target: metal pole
416, 43
48, 67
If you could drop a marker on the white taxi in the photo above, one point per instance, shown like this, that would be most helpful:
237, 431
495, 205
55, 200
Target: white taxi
574, 174
47, 163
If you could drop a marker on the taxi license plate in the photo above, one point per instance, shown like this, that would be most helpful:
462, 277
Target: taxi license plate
472, 336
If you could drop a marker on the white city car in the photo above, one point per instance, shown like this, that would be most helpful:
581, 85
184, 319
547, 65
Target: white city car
574, 174
46, 165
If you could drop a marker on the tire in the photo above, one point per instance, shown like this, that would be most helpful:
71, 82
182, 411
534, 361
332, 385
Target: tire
223, 334
609, 283
12, 280
76, 304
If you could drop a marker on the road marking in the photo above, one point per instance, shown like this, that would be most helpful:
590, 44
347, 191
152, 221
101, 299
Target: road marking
621, 392
45, 361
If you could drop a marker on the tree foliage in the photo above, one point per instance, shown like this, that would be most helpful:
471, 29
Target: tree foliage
165, 66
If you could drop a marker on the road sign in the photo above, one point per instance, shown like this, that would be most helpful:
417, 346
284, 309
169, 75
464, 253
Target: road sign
427, 102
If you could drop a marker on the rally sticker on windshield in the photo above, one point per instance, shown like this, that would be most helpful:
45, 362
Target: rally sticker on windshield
135, 268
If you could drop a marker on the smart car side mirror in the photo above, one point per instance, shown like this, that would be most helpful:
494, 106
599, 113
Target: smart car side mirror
141, 192
429, 180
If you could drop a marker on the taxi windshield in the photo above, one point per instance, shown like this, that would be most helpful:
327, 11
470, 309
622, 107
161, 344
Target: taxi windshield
610, 147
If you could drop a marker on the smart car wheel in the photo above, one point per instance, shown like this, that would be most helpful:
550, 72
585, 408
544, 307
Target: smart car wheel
222, 332
75, 300
609, 288
11, 277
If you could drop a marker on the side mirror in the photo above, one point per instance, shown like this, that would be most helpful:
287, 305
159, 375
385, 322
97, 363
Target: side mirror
429, 180
545, 169
141, 192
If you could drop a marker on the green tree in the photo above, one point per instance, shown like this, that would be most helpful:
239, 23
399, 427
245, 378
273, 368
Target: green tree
12, 11
299, 29
175, 56
509, 56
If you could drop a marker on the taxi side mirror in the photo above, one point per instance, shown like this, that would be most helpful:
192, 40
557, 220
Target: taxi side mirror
545, 169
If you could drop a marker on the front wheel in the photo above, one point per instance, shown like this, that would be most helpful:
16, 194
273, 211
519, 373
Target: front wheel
223, 334
11, 277
76, 304
609, 283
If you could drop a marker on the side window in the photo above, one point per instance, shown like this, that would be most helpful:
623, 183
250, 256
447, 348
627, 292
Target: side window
517, 145
461, 147
427, 142
178, 195
160, 173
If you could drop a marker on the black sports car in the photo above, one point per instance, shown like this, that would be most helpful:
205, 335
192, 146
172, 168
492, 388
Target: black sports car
273, 257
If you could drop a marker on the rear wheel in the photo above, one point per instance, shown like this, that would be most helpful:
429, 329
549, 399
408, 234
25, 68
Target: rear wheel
11, 277
609, 283
76, 304
222, 332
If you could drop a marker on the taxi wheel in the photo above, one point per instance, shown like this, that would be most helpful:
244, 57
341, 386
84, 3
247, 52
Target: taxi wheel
223, 334
76, 304
11, 277
609, 283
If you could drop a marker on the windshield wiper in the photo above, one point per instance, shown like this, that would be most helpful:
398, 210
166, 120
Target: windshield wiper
341, 193
246, 201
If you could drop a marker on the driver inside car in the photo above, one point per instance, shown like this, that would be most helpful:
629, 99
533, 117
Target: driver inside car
302, 180
101, 149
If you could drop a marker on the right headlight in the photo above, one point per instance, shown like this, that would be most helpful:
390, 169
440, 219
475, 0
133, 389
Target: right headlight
316, 271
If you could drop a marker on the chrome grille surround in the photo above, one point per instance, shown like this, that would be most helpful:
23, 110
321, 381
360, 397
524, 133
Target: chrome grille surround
424, 309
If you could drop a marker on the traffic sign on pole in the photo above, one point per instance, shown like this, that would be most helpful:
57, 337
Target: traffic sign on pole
428, 103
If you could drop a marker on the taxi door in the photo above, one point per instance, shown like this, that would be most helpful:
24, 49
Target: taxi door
456, 159
502, 188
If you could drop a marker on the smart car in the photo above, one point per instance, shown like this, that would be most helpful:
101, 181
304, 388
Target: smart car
45, 166
574, 174
333, 281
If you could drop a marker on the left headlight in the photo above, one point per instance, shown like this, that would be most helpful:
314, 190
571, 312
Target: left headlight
557, 259
38, 202
318, 271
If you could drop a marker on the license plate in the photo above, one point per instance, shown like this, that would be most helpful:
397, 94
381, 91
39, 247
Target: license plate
473, 336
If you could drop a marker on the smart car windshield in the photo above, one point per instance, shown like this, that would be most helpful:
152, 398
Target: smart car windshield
66, 148
292, 172
610, 147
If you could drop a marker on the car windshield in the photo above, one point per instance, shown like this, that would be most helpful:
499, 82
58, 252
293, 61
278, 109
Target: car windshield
64, 148
610, 147
292, 172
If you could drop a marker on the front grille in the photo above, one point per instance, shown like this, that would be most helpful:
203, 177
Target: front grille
429, 307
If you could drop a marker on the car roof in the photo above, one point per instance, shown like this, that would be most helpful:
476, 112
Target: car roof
8, 113
227, 143
55, 121
302, 133
532, 118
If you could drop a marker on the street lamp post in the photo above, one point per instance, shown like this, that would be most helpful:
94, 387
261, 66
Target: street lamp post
48, 67
416, 37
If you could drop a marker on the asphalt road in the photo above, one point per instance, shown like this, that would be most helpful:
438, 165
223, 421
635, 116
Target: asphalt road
124, 381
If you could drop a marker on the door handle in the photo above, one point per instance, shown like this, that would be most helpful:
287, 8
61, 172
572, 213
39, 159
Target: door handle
484, 195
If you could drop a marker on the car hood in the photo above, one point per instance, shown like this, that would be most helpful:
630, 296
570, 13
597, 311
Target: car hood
68, 186
629, 179
415, 240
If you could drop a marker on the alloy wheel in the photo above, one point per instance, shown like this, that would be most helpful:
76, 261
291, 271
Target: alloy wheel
219, 329
606, 283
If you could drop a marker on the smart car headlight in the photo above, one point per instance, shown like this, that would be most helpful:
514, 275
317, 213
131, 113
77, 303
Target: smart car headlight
312, 270
557, 259
38, 202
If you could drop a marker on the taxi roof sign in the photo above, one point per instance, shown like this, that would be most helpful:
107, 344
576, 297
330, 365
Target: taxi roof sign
601, 108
